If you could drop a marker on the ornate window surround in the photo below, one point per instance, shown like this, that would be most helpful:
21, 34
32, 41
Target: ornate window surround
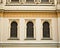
26, 21
49, 21
13, 29
10, 21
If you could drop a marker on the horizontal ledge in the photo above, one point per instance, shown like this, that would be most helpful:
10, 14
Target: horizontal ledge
28, 44
30, 39
30, 5
46, 39
13, 39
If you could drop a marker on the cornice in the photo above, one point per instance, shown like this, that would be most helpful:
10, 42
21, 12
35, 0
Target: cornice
2, 10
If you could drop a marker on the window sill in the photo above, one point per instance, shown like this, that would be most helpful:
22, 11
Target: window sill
13, 39
30, 39
46, 39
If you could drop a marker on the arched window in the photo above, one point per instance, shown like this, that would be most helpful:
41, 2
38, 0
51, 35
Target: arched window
13, 32
30, 30
46, 29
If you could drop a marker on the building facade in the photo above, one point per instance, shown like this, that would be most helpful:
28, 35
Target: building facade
29, 23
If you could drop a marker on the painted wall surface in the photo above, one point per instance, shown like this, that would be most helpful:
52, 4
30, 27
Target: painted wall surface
22, 28
0, 29
58, 28
6, 17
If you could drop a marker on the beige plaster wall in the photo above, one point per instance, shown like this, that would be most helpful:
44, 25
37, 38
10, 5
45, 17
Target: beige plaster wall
5, 32
59, 26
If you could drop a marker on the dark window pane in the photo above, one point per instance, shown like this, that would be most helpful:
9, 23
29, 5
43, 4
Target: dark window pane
30, 29
44, 0
14, 29
46, 29
14, 0
29, 0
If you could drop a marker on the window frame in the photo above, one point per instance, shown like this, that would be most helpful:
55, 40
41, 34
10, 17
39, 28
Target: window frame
26, 21
13, 38
50, 26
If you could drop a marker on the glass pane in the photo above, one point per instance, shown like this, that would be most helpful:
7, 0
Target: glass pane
45, 0
29, 0
13, 29
30, 30
46, 30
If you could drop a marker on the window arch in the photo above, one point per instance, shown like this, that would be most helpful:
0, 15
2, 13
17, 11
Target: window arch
13, 30
30, 30
46, 29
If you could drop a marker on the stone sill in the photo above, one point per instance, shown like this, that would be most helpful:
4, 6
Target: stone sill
30, 39
13, 39
46, 39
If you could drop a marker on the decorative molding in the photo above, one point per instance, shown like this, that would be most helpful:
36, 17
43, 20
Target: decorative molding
28, 44
30, 14
29, 10
17, 13
24, 4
